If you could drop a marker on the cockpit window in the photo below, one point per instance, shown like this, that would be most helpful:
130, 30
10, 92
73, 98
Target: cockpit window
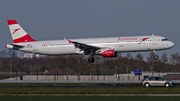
164, 39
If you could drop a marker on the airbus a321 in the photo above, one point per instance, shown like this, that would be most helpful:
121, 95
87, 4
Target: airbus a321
106, 47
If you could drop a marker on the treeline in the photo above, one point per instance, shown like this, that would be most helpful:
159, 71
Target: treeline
78, 64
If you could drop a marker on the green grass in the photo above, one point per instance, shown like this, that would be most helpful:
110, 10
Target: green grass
88, 98
51, 94
158, 90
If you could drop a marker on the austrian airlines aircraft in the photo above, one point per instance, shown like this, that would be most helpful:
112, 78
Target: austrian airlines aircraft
106, 47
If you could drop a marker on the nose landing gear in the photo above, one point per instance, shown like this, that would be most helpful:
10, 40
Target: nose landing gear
155, 55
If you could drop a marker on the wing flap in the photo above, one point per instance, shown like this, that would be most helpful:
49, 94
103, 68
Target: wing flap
85, 47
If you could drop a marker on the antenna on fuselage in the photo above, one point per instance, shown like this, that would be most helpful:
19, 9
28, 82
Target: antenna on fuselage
152, 34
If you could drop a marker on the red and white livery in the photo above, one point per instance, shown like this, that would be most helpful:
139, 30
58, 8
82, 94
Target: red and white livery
106, 47
18, 33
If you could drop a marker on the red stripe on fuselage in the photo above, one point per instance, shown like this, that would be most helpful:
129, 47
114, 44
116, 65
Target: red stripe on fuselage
25, 38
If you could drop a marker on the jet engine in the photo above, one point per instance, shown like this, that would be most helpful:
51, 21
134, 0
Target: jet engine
109, 53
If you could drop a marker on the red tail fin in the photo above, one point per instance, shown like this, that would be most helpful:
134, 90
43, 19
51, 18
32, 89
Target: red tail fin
18, 33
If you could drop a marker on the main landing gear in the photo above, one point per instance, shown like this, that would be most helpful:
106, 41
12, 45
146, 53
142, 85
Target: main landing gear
155, 55
91, 59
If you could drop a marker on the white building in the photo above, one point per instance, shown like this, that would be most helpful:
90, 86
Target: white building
30, 55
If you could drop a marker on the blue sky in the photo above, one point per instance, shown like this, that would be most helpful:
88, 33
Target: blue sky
58, 19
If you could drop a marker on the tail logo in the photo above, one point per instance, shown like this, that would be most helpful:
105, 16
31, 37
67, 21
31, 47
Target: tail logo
15, 30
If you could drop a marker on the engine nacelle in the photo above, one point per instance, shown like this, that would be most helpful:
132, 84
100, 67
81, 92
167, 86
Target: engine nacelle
109, 53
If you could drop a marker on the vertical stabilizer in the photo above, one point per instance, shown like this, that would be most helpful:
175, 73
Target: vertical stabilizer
18, 33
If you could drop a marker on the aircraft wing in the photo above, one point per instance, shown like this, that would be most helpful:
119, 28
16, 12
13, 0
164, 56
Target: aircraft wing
84, 47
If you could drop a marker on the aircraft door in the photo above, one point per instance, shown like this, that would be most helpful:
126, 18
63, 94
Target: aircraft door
35, 47
154, 40
121, 44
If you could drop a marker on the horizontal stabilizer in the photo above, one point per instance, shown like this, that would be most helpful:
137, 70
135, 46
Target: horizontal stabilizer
14, 46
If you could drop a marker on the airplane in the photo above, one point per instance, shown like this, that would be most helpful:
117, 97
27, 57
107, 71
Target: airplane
106, 47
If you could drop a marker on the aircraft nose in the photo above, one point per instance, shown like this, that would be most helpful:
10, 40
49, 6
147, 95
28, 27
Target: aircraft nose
171, 44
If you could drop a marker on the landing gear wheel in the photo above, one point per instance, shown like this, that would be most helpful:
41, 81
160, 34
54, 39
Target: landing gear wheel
90, 59
155, 55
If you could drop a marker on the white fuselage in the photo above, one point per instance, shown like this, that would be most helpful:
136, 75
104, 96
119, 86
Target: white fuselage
119, 44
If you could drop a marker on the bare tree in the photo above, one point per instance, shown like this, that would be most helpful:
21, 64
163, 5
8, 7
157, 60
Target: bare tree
175, 61
152, 60
139, 57
175, 58
164, 58
139, 62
